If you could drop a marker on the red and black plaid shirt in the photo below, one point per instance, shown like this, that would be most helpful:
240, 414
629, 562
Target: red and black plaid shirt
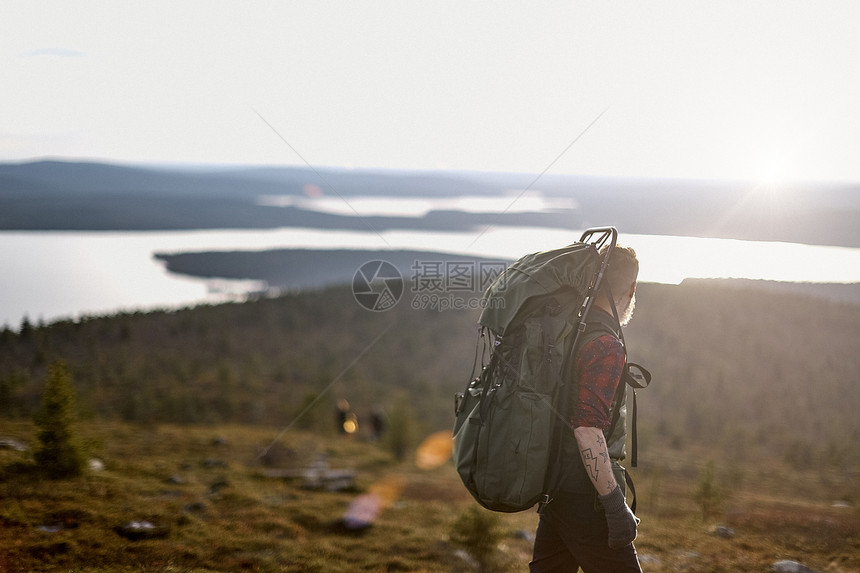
599, 365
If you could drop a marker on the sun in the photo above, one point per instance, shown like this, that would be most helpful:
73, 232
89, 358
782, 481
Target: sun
768, 189
775, 167
774, 175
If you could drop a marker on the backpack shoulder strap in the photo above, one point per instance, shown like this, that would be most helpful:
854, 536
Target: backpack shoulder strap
599, 323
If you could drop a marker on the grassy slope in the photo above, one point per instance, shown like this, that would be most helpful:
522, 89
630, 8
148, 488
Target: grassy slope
229, 517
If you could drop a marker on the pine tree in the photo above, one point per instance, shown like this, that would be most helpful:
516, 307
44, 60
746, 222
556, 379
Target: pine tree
708, 493
479, 532
59, 454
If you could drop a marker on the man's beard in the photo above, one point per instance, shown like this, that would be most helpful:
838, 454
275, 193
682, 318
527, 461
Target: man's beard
627, 313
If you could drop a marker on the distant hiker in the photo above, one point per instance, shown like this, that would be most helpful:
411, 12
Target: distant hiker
588, 523
377, 423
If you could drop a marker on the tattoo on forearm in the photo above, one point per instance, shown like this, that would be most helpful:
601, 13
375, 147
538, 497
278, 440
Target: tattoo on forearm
602, 448
590, 463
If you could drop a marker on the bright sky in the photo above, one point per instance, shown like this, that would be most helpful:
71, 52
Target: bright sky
752, 89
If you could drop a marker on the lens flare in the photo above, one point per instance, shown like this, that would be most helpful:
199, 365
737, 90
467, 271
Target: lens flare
364, 509
434, 451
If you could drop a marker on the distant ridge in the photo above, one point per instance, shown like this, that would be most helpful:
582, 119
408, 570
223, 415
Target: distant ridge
300, 269
81, 196
836, 292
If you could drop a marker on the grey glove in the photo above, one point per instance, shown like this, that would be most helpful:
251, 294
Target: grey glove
619, 519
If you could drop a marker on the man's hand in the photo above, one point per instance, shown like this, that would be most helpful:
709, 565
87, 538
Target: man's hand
619, 519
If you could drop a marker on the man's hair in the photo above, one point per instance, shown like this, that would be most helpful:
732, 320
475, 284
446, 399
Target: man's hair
623, 269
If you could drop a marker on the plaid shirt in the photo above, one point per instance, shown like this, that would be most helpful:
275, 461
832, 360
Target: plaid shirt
599, 365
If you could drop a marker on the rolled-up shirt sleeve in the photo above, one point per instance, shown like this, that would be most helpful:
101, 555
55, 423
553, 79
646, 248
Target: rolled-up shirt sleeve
598, 367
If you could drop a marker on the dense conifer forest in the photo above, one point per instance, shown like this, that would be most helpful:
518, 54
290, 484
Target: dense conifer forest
743, 371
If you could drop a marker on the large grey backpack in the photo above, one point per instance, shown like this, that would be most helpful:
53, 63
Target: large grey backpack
508, 418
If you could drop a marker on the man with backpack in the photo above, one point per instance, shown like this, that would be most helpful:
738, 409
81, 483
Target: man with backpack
588, 524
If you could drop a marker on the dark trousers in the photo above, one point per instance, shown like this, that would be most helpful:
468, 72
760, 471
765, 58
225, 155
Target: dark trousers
572, 533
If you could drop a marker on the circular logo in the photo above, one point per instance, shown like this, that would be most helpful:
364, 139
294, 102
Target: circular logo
377, 285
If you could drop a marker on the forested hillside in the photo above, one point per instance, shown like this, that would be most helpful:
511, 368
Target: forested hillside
744, 371
752, 371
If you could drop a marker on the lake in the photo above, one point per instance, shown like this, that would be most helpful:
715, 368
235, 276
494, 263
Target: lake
52, 275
